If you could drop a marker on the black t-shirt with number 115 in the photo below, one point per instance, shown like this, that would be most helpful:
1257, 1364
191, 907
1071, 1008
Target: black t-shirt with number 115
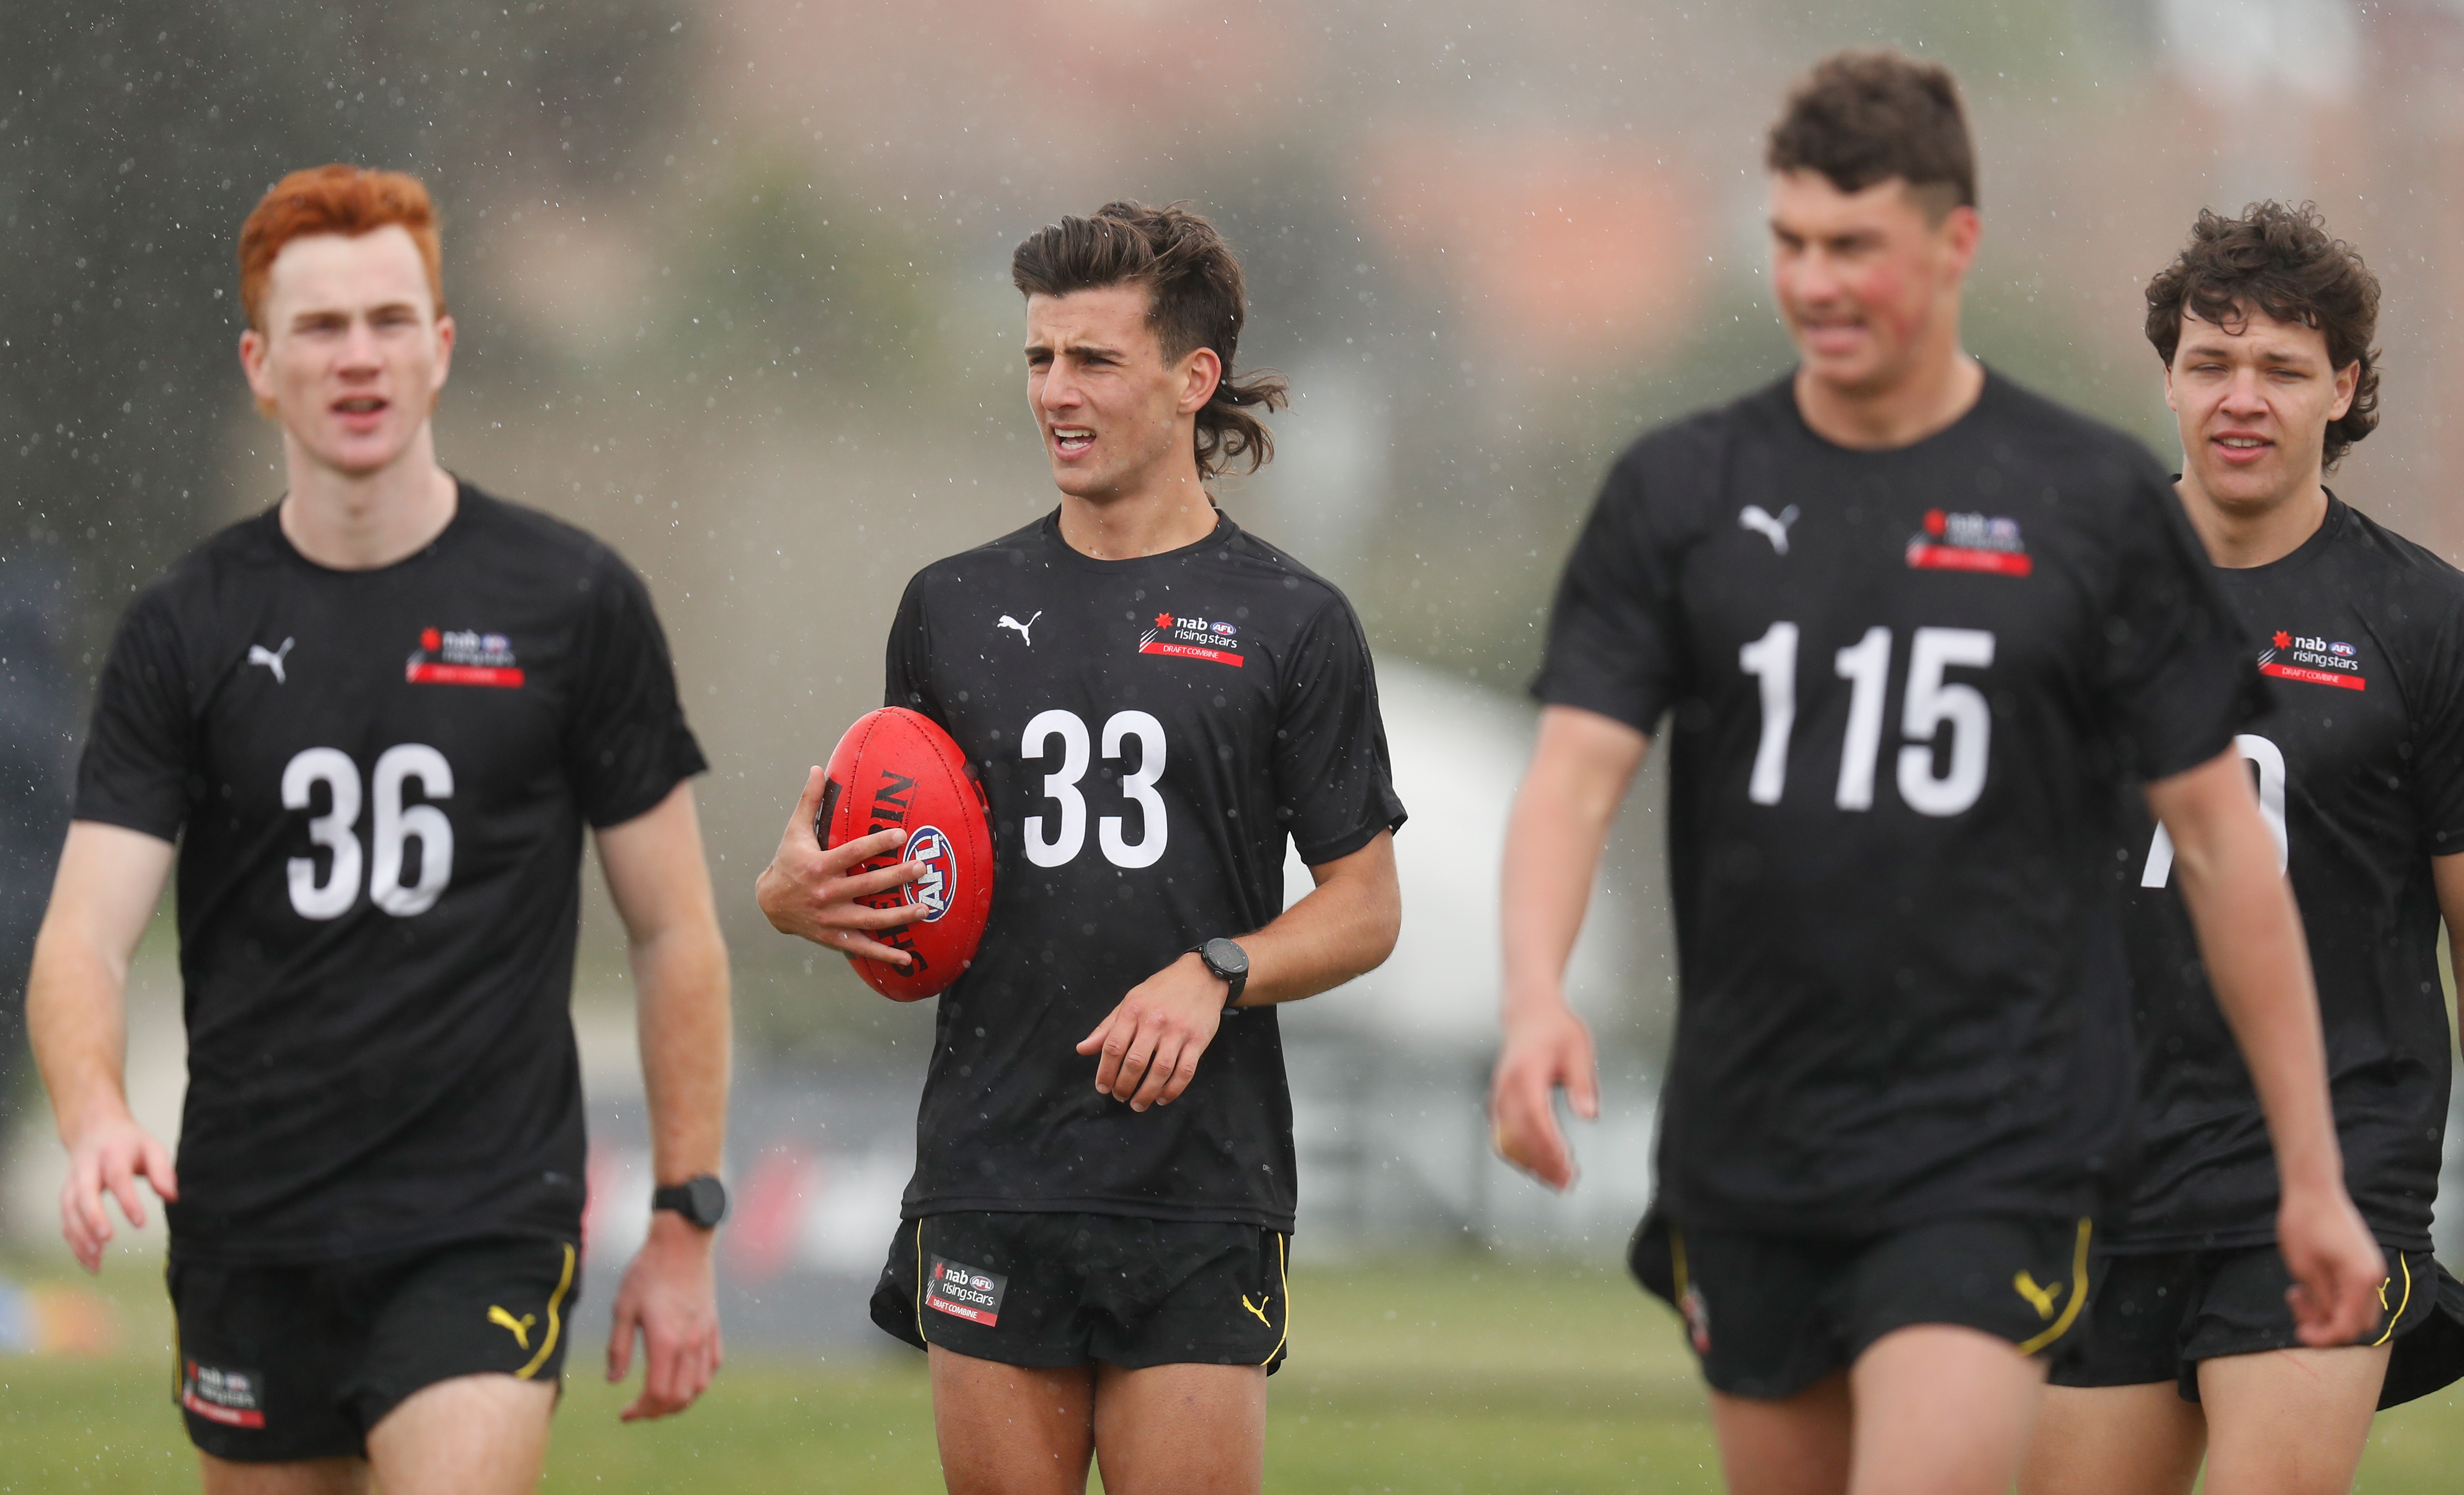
1901, 689
1151, 733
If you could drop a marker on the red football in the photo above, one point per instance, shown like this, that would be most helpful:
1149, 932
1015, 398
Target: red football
896, 770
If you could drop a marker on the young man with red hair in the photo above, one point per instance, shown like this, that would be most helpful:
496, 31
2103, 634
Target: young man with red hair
368, 726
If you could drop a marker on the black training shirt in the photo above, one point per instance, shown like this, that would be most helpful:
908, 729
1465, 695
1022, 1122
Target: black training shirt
2360, 768
378, 782
1901, 686
1150, 733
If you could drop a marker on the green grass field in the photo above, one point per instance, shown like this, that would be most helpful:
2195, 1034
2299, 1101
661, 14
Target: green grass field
1428, 1378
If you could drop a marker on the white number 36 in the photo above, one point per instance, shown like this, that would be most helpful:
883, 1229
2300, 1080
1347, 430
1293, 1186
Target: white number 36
396, 825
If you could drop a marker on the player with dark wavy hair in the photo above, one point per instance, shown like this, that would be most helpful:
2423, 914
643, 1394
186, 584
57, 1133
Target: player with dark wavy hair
1902, 621
1093, 1246
2264, 323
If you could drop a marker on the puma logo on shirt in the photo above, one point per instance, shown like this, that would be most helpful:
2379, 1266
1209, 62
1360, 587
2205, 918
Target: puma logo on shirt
271, 658
1008, 621
1757, 518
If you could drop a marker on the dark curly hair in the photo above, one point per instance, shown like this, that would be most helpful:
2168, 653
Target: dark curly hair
1197, 299
2283, 261
1866, 117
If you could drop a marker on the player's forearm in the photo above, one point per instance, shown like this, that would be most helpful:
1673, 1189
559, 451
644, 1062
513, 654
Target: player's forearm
1555, 839
2259, 961
77, 1020
682, 1011
1345, 928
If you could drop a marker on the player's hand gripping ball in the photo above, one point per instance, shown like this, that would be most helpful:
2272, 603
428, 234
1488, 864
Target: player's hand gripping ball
896, 770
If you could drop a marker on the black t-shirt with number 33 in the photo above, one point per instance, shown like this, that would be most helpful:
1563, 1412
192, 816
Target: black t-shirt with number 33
1151, 733
1901, 686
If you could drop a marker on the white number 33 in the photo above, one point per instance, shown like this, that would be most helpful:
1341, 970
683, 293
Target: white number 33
1061, 785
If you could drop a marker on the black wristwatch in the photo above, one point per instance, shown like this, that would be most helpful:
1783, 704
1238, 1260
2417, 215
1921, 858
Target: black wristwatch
1230, 964
701, 1199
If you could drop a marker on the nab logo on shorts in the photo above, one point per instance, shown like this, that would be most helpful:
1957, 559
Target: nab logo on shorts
934, 890
963, 1292
234, 1398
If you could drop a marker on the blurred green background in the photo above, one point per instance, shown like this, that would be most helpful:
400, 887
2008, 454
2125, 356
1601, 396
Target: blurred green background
1458, 1375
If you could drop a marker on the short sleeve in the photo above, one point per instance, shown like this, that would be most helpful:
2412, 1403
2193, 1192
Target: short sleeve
2177, 679
907, 666
1334, 785
2438, 737
627, 745
1612, 631
140, 761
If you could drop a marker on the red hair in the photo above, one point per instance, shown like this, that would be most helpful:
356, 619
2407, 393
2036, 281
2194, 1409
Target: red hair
334, 199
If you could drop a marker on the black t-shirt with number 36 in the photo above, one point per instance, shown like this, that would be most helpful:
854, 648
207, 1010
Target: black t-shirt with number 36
1902, 687
1151, 734
378, 782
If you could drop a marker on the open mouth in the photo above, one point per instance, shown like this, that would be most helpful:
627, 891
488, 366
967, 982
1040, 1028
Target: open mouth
1073, 440
362, 405
2242, 448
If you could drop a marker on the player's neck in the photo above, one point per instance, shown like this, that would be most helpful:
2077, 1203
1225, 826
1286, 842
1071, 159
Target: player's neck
357, 521
1148, 520
2242, 534
1939, 386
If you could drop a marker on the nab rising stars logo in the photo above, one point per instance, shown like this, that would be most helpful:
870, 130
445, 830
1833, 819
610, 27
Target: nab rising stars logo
934, 890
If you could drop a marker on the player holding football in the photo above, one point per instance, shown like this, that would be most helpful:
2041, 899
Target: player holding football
2264, 324
369, 726
1906, 623
1093, 1244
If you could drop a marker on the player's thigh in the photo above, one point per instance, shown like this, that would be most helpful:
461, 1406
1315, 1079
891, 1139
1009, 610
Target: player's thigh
2114, 1419
299, 1476
473, 1434
1181, 1429
1793, 1446
2141, 1439
1941, 1409
1012, 1429
2289, 1421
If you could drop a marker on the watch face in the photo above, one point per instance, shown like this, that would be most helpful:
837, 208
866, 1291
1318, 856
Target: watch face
1228, 958
707, 1198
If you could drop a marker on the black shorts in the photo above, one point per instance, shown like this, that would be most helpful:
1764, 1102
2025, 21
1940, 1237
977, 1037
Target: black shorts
279, 1363
1053, 1290
2154, 1317
1771, 1315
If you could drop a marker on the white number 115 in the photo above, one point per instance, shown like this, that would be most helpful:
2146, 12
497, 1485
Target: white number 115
1929, 706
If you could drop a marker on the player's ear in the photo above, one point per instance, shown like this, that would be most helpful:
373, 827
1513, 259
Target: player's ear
2348, 380
1962, 231
254, 350
444, 357
1200, 373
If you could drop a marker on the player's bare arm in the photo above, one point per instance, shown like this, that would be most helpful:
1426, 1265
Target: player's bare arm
76, 1016
1345, 928
2259, 963
1580, 770
661, 887
809, 891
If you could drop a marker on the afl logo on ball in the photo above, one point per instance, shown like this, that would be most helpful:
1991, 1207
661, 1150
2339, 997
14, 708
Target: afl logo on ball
931, 892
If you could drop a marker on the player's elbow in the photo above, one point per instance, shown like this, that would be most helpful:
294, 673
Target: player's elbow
1380, 923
